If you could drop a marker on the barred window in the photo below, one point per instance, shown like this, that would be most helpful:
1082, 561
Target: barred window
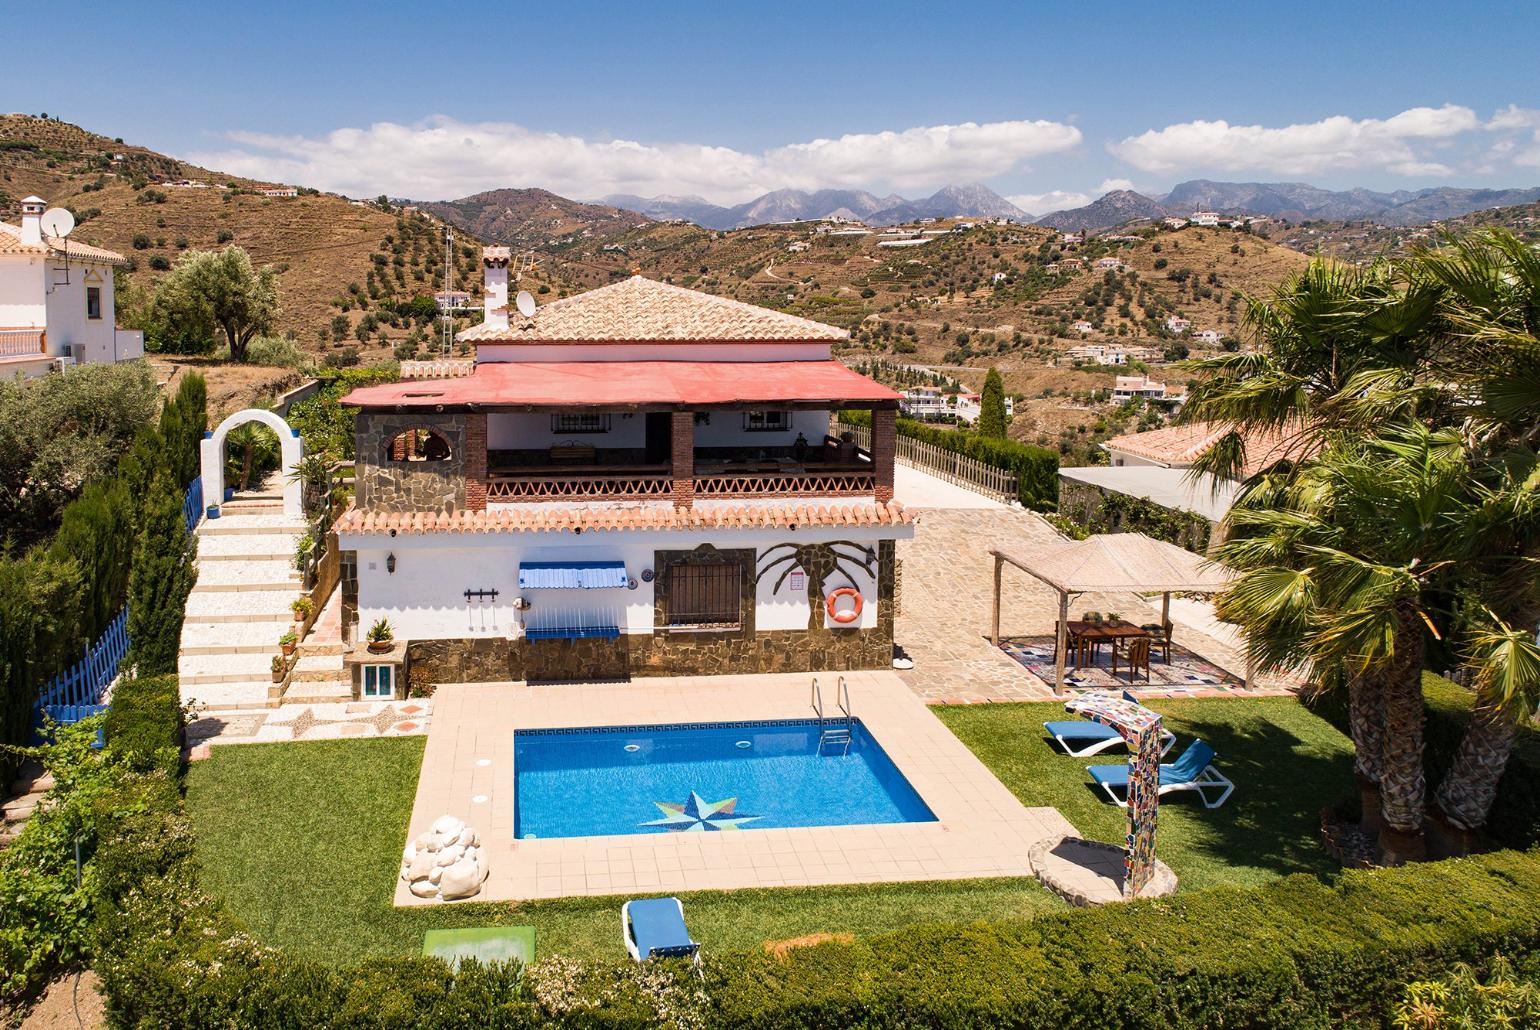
766, 421
705, 595
595, 423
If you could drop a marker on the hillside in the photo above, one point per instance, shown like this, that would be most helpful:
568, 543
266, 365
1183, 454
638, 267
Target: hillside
533, 217
320, 244
1364, 241
787, 205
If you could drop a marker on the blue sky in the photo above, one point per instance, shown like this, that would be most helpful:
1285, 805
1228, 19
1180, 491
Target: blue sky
1048, 103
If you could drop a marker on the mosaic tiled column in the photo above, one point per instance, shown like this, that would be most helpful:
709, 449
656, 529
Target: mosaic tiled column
1140, 727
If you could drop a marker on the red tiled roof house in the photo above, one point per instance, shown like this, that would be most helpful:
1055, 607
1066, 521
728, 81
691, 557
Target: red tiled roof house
637, 480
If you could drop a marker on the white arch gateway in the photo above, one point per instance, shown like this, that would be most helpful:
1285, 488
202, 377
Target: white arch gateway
291, 449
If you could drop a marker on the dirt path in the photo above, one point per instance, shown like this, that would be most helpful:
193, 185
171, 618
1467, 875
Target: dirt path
70, 1003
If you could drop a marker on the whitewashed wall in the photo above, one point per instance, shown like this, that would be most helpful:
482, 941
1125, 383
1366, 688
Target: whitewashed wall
67, 321
725, 429
21, 291
425, 598
513, 431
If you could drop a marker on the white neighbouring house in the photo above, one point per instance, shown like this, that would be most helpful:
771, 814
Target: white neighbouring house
1128, 387
56, 300
1178, 324
1210, 336
637, 480
1205, 219
1083, 327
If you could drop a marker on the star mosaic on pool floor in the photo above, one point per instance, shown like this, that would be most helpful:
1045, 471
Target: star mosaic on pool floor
1185, 673
698, 815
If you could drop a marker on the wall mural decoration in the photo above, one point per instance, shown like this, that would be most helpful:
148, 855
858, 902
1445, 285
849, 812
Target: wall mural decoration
821, 563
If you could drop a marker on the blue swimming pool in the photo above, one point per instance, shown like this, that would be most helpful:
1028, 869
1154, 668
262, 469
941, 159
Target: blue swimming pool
705, 777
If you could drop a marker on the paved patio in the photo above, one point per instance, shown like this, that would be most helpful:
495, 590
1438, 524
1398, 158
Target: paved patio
943, 618
467, 771
342, 720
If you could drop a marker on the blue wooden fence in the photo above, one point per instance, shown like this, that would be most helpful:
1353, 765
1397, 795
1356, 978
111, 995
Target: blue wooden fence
77, 693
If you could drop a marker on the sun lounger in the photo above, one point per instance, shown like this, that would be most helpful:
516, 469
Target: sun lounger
654, 928
1193, 771
1083, 738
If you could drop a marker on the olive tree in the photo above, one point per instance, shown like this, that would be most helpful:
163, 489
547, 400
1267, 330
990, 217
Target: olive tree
222, 289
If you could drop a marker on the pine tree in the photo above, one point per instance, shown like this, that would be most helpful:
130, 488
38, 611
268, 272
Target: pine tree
162, 577
992, 406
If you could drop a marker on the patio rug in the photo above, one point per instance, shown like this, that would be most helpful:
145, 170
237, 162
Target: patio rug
483, 943
1185, 672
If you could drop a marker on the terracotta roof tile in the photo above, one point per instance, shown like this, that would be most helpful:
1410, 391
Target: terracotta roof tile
10, 243
538, 518
641, 309
1180, 446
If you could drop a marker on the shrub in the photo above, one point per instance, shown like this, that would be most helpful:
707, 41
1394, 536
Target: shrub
161, 579
144, 724
1514, 821
274, 351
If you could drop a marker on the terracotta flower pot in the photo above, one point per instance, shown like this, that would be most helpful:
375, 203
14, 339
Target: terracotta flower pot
287, 648
381, 646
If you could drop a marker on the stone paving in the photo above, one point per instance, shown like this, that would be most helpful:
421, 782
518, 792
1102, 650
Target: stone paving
324, 721
943, 620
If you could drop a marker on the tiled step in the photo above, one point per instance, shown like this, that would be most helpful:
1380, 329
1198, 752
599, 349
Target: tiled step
239, 605
216, 697
318, 668
215, 638
267, 574
303, 692
321, 647
247, 547
263, 523
195, 669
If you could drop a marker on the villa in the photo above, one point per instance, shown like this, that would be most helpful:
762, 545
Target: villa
637, 480
56, 300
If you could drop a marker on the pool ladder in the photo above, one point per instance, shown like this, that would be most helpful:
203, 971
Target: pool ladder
834, 736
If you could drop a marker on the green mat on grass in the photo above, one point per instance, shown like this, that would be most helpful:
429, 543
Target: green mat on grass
483, 943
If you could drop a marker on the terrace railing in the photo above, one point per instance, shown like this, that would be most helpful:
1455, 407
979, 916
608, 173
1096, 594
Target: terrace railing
954, 468
542, 486
786, 484
21, 343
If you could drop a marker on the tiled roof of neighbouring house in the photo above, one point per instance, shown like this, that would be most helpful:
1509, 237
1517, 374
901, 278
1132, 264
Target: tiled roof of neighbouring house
1180, 446
541, 518
619, 384
644, 310
10, 243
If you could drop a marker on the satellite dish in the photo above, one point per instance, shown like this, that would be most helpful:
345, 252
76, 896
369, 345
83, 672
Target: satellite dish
526, 303
57, 222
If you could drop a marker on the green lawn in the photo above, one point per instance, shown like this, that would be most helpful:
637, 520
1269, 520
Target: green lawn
1286, 764
302, 840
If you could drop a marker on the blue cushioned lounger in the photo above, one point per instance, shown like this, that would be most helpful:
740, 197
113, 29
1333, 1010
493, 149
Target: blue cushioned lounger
1193, 771
654, 927
1083, 738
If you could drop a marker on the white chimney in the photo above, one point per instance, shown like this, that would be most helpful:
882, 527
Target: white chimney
494, 264
32, 220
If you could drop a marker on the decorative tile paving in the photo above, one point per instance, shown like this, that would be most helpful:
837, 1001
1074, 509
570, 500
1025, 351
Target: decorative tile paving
322, 721
1185, 673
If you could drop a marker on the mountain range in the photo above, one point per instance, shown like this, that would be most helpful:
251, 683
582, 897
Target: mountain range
970, 200
1294, 201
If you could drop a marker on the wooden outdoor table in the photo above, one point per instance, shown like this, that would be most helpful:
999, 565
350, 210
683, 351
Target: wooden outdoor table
1104, 632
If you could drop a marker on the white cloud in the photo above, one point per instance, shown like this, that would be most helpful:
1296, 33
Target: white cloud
1108, 185
443, 157
1053, 200
1338, 142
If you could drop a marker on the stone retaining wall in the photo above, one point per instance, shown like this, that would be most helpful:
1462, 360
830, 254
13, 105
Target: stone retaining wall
384, 484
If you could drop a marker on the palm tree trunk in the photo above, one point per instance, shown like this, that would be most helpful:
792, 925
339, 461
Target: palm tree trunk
1366, 724
1403, 788
1465, 796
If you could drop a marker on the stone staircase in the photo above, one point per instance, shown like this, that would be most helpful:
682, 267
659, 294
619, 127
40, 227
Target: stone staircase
319, 673
240, 605
22, 800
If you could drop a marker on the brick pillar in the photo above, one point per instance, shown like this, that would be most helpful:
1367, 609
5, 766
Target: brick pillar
884, 450
476, 462
682, 458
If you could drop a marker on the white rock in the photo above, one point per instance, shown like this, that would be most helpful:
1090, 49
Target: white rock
461, 880
466, 838
449, 856
409, 854
436, 875
423, 840
473, 853
420, 867
448, 826
424, 889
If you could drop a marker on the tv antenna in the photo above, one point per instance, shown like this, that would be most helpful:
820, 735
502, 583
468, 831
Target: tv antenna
447, 346
526, 303
57, 223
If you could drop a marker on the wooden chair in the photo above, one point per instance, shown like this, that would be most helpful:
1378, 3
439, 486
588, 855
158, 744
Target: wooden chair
1136, 657
1161, 637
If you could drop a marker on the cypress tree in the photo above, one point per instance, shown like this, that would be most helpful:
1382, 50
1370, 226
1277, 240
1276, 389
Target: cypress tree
161, 579
992, 406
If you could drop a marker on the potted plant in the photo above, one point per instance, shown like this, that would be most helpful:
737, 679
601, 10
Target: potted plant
302, 607
1096, 618
287, 642
278, 668
1113, 617
380, 639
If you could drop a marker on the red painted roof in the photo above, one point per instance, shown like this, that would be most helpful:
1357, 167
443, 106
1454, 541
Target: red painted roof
545, 518
608, 384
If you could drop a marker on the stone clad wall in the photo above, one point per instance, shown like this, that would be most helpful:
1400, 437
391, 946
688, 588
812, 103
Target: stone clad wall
427, 486
664, 653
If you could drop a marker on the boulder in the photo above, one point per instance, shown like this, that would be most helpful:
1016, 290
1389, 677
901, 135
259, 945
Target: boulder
449, 856
424, 889
448, 826
446, 862
461, 880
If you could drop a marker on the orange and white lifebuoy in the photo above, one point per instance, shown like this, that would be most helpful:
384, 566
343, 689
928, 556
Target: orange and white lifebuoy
845, 616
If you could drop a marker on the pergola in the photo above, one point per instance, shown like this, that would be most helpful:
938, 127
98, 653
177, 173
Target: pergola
1109, 563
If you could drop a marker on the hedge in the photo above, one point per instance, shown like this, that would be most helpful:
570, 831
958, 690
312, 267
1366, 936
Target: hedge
1514, 821
1036, 468
144, 724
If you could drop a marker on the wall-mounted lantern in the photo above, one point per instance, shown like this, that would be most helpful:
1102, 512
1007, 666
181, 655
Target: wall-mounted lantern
390, 563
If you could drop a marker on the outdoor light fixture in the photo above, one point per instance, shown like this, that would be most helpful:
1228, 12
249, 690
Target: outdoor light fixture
390, 563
